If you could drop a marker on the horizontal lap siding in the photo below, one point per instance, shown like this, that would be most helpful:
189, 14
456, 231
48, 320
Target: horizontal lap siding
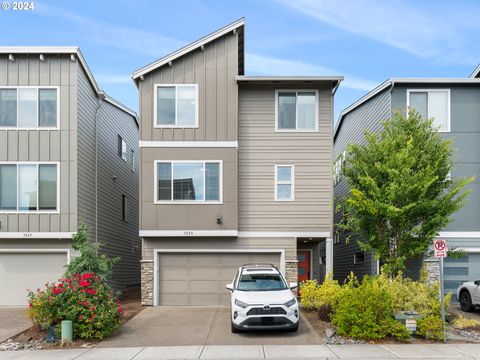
119, 238
214, 70
366, 117
250, 243
260, 148
44, 145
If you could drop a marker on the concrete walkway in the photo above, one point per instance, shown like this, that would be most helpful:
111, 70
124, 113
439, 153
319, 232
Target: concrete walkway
12, 321
297, 352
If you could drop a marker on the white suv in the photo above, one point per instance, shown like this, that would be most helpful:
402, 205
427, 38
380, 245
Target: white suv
261, 299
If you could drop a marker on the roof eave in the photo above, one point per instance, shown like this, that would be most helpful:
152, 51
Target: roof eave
475, 72
188, 48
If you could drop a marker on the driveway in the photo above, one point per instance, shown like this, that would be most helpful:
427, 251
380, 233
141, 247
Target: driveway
455, 309
181, 326
12, 321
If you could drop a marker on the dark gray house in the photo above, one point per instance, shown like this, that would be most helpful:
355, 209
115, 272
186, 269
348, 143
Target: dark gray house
68, 155
455, 106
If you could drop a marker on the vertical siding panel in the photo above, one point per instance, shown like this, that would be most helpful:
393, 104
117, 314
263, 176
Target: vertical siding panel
211, 93
22, 71
23, 223
3, 70
13, 73
34, 68
3, 145
221, 89
53, 152
200, 79
188, 134
13, 223
12, 145
23, 145
55, 71
33, 145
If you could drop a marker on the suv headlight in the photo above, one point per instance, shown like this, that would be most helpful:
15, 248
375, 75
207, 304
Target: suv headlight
241, 304
290, 302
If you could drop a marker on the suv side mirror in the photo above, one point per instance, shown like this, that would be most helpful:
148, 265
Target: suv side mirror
477, 282
293, 285
229, 287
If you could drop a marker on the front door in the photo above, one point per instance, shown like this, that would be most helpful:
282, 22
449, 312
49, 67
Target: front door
303, 257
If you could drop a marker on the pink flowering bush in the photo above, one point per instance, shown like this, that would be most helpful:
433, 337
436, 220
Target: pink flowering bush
83, 298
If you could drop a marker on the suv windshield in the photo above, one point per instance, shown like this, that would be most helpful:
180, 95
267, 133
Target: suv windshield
261, 282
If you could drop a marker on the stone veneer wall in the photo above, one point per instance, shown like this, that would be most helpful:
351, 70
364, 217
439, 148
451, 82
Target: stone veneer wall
291, 270
433, 269
147, 282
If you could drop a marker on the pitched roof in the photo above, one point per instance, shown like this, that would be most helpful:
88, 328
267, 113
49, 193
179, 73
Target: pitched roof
72, 50
387, 84
188, 48
476, 72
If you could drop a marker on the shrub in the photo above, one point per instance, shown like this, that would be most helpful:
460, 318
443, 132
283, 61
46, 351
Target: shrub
365, 311
430, 327
89, 259
320, 297
84, 299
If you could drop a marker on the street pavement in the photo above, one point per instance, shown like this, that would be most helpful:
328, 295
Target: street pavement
237, 352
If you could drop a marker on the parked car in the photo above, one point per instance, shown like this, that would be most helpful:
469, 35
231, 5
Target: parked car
468, 295
261, 299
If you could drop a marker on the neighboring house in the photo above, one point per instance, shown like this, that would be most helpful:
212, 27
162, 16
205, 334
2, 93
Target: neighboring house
234, 169
455, 106
68, 154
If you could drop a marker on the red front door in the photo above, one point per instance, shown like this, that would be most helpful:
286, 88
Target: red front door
303, 258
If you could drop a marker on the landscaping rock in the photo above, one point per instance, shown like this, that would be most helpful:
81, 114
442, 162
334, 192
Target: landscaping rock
332, 338
329, 333
23, 342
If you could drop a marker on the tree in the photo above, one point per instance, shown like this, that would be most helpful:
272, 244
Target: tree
89, 259
401, 193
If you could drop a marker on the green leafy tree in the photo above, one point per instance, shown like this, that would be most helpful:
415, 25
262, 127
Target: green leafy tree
89, 260
401, 194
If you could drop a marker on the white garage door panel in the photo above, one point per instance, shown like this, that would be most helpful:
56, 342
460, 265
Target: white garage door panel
22, 271
200, 278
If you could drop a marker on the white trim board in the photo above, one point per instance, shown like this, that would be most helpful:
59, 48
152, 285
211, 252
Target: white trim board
36, 235
156, 252
188, 144
38, 251
312, 234
459, 234
187, 233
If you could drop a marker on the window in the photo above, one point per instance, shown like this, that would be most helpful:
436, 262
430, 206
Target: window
336, 237
188, 181
29, 108
359, 257
338, 166
284, 183
432, 104
124, 208
29, 187
122, 148
133, 160
176, 105
296, 110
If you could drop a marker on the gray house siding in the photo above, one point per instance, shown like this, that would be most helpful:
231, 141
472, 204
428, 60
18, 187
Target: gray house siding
261, 148
214, 70
114, 178
366, 117
44, 145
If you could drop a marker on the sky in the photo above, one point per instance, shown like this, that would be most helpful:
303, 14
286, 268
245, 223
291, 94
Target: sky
367, 41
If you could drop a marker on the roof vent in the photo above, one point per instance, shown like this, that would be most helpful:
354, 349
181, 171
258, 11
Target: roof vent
11, 57
41, 57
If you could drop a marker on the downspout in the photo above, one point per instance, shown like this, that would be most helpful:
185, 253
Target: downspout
101, 96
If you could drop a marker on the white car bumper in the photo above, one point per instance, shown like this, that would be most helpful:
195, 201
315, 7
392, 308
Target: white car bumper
260, 317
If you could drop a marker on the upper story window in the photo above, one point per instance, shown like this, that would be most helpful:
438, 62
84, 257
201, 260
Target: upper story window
284, 183
296, 110
434, 104
133, 160
29, 187
188, 181
338, 166
29, 108
176, 105
122, 148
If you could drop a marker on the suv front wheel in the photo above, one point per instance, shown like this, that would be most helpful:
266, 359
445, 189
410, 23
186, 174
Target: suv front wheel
466, 301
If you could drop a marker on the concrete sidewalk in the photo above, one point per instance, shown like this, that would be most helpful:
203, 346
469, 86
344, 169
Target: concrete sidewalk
297, 352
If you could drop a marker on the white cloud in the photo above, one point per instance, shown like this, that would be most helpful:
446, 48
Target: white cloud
441, 31
264, 65
111, 35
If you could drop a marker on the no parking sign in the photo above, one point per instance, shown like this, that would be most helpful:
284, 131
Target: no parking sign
440, 248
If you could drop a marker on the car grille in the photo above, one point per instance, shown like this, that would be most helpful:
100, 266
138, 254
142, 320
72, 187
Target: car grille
270, 311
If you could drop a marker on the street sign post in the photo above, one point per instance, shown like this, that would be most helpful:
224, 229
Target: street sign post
440, 251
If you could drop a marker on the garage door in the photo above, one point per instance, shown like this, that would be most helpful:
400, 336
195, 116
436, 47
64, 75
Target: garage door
200, 278
21, 271
457, 271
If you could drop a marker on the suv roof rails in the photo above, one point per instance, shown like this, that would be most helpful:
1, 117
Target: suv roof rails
258, 265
